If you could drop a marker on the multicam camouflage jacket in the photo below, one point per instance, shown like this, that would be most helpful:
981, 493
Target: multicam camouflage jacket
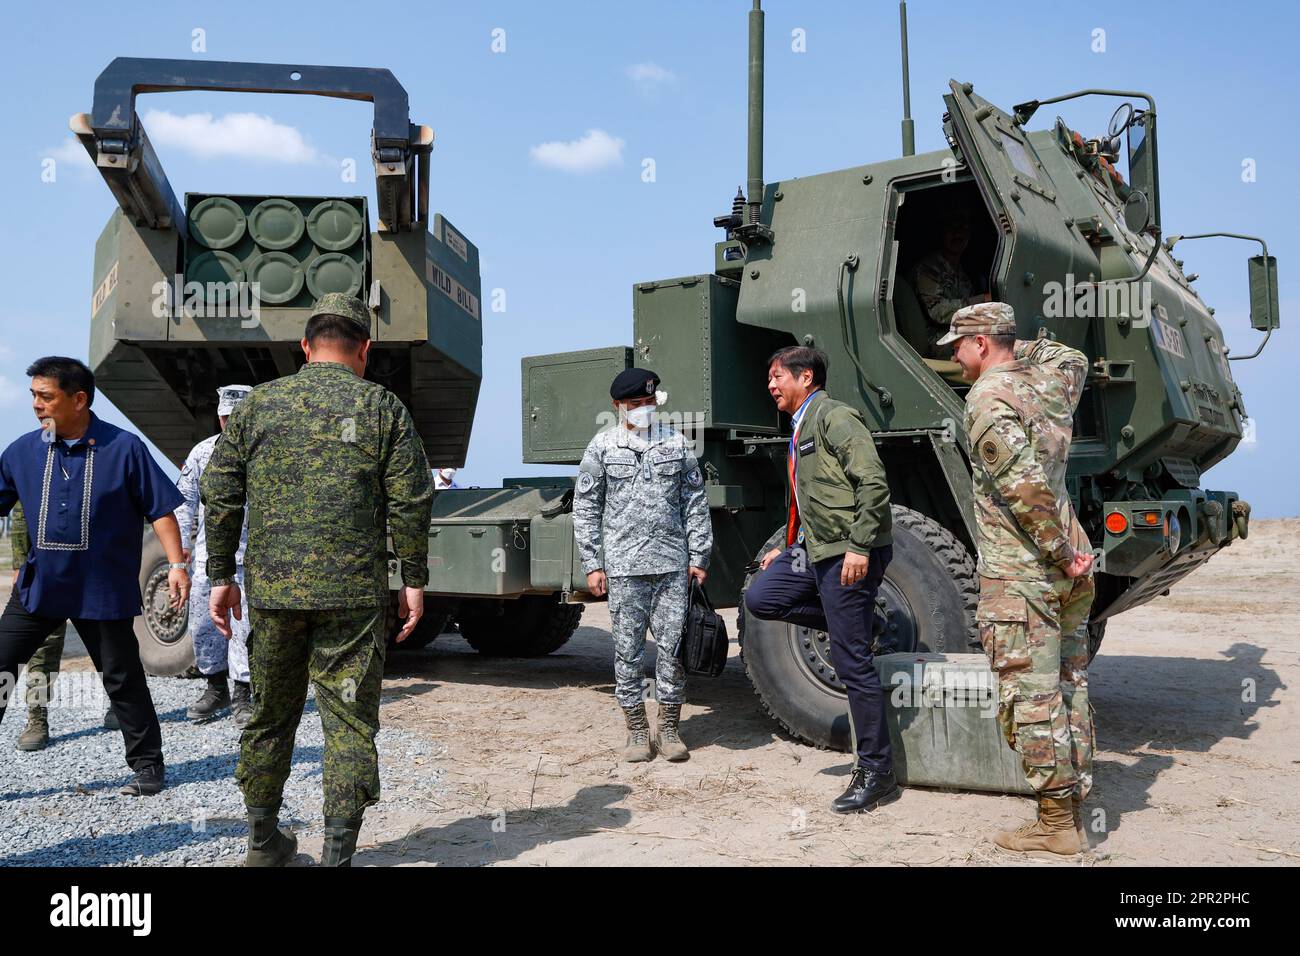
640, 506
1020, 417
943, 289
327, 462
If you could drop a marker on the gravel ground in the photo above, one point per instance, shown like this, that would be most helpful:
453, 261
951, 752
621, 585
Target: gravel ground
60, 806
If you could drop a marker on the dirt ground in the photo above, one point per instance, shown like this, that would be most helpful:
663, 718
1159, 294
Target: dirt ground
1198, 759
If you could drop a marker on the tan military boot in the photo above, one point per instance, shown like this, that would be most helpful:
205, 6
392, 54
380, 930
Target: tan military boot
1053, 832
638, 734
36, 735
667, 740
1076, 805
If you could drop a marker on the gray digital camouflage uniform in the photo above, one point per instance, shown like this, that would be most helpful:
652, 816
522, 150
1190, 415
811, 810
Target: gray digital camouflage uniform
641, 514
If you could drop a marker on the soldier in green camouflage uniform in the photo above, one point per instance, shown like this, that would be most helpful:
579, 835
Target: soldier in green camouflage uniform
1035, 561
327, 463
940, 281
43, 668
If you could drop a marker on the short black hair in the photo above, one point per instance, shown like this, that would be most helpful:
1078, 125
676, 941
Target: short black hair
328, 327
1007, 341
795, 358
72, 375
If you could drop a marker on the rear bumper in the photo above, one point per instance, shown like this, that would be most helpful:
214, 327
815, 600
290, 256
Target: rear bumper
1191, 526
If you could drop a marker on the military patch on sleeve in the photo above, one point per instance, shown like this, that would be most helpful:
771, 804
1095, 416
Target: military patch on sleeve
585, 481
992, 451
695, 478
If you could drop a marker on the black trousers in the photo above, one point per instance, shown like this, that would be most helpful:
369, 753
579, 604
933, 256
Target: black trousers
814, 597
115, 654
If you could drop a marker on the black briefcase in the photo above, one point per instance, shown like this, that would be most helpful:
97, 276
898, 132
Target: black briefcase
703, 647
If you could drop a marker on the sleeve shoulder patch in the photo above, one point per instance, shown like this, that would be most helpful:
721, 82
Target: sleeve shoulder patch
585, 482
992, 451
695, 478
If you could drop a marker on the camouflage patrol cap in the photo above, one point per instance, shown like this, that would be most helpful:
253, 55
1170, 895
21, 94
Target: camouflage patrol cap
344, 305
228, 396
982, 318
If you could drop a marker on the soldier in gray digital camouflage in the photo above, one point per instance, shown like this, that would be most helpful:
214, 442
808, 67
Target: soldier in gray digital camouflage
328, 465
221, 661
1035, 562
940, 279
641, 521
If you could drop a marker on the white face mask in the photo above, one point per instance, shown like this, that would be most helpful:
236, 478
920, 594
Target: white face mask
640, 417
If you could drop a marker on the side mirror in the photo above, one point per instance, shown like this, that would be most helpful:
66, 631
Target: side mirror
1262, 272
1137, 212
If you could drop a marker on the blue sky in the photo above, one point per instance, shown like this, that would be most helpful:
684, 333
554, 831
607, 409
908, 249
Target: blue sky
655, 80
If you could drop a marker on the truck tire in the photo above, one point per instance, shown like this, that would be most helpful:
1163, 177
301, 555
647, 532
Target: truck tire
531, 626
926, 602
1096, 631
162, 633
430, 626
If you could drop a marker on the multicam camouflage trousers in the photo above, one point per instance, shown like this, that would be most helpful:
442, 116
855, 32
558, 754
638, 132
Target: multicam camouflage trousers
1036, 636
341, 651
43, 668
659, 602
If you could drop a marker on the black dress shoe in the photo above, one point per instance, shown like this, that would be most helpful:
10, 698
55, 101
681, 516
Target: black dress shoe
868, 789
146, 782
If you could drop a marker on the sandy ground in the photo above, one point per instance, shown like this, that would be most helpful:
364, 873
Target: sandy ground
1198, 760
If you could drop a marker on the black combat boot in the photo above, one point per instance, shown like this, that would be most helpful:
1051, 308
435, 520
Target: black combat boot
268, 844
36, 735
340, 840
146, 782
241, 704
867, 790
215, 699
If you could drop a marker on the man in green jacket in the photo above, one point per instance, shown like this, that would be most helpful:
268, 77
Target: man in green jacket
838, 545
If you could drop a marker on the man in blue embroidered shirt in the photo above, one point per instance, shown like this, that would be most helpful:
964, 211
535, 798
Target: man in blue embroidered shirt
87, 488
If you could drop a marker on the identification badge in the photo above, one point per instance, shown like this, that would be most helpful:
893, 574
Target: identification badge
807, 446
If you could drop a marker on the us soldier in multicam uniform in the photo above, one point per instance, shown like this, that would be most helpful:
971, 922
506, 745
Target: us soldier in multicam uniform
641, 520
43, 668
941, 283
1035, 562
328, 464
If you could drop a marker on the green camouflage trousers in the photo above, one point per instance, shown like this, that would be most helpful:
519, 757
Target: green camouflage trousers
341, 650
43, 668
1036, 636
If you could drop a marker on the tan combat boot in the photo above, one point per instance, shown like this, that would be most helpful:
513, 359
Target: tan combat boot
667, 740
638, 734
1053, 832
1076, 805
36, 735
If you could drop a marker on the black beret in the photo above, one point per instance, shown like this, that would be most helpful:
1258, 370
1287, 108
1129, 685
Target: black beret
633, 383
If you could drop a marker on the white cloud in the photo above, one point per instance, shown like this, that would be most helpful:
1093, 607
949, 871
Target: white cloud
244, 135
13, 395
649, 77
69, 154
596, 150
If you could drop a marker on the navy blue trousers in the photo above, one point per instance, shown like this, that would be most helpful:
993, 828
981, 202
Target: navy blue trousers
814, 597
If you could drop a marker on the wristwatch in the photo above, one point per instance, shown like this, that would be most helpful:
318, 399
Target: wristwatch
178, 566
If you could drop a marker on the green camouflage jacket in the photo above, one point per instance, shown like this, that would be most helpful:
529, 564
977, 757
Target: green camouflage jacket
325, 460
1020, 417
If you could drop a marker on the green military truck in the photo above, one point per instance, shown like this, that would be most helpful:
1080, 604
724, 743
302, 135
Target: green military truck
1076, 248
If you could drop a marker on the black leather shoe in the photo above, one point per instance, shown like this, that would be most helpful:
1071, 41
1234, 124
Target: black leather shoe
146, 782
868, 789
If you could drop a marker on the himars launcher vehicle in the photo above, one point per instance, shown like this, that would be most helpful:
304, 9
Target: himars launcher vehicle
1076, 249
